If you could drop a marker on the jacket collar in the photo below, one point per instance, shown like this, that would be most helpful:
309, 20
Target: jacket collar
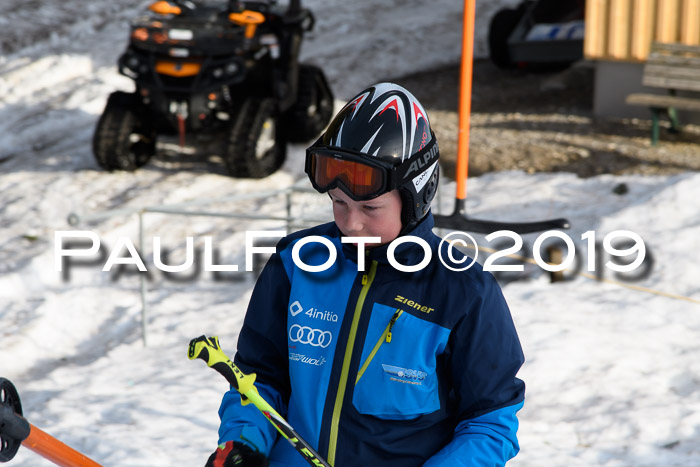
405, 253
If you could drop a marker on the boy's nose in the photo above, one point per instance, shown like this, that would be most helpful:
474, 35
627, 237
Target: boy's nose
354, 221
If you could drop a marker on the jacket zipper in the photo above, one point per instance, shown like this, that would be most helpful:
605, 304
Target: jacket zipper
340, 395
386, 337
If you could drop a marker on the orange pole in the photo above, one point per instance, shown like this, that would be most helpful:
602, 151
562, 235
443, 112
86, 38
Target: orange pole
465, 98
52, 449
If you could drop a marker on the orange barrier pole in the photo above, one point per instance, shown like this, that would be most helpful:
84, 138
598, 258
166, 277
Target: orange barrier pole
52, 449
465, 98
459, 220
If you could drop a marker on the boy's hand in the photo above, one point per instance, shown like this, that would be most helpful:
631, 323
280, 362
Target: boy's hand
234, 454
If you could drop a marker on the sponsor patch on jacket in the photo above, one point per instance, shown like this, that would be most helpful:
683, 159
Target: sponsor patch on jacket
298, 357
310, 336
404, 375
413, 304
296, 308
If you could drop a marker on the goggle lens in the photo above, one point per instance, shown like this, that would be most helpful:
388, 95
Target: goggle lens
362, 180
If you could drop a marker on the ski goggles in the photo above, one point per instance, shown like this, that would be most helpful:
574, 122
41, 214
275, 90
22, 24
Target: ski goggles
360, 176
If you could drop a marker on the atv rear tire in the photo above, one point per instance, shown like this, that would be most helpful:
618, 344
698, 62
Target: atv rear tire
313, 109
256, 146
502, 25
124, 138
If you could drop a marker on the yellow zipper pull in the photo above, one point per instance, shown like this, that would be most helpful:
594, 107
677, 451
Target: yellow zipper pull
364, 276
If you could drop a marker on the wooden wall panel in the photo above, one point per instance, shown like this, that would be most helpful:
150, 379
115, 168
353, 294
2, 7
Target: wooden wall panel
619, 35
690, 22
643, 27
668, 17
596, 28
623, 30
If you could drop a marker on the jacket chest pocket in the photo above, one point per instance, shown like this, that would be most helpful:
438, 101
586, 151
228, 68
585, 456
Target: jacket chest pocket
397, 377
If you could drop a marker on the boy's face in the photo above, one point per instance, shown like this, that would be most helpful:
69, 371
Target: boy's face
378, 217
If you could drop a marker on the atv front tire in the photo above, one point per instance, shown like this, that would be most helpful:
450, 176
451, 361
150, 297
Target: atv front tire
124, 138
313, 109
256, 146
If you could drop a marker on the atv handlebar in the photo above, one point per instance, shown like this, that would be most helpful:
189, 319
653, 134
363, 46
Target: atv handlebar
184, 4
294, 7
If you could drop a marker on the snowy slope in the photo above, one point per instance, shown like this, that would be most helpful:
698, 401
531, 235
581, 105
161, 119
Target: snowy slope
612, 373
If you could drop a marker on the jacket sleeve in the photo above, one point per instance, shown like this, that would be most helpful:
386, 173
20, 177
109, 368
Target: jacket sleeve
483, 358
262, 349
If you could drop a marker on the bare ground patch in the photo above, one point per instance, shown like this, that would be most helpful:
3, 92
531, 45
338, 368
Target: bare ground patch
543, 122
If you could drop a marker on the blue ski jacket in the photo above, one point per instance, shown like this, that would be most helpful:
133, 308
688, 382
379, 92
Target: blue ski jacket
379, 367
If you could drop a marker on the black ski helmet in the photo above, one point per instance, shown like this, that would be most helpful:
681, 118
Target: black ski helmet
386, 125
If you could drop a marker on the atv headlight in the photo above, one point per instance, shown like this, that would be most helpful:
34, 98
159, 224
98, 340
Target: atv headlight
129, 65
226, 70
140, 34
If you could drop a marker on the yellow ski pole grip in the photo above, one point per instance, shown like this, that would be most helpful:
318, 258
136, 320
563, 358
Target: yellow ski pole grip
209, 350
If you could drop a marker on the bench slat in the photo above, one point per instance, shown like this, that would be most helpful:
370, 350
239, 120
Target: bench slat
672, 83
672, 77
662, 71
674, 60
674, 47
655, 100
673, 66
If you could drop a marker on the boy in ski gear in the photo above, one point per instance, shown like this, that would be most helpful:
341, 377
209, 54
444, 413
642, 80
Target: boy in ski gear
373, 365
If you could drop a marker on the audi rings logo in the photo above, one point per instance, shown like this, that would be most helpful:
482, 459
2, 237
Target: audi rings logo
310, 336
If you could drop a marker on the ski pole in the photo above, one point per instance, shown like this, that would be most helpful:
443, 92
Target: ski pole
16, 430
209, 350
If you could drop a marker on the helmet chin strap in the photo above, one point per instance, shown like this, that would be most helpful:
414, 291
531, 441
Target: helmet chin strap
408, 219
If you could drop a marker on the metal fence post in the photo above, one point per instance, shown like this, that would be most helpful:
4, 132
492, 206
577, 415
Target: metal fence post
289, 210
192, 209
142, 281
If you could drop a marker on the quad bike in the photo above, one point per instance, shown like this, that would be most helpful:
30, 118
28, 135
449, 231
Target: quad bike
538, 35
217, 77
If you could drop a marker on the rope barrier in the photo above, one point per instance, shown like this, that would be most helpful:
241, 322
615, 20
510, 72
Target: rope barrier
638, 288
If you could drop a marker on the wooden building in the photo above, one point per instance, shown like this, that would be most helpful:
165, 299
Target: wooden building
618, 37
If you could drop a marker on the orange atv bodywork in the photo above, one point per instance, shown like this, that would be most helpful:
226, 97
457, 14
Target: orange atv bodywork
249, 19
178, 69
165, 8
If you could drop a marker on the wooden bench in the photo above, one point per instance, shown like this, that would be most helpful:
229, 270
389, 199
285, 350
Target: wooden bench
674, 67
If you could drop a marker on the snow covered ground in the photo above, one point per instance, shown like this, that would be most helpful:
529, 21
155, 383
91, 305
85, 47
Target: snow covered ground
612, 372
